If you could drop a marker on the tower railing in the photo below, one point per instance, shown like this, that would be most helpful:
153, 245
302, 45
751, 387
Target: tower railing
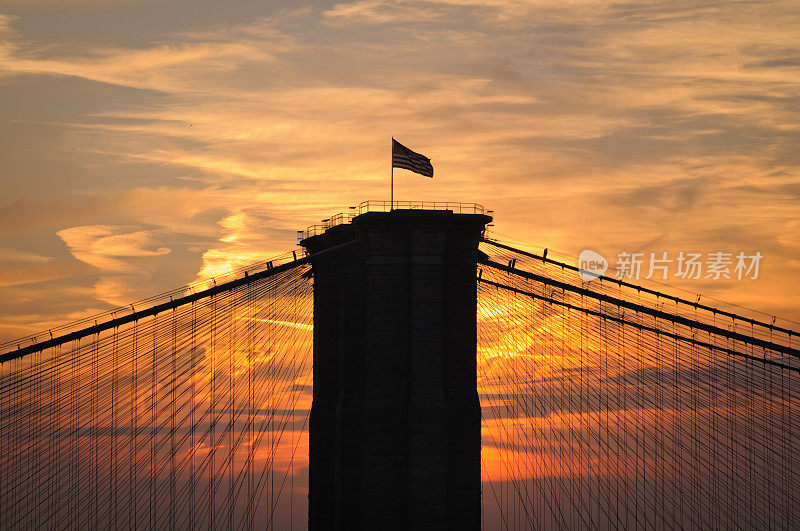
343, 218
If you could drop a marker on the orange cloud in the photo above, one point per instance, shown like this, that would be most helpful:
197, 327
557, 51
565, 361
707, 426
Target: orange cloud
105, 247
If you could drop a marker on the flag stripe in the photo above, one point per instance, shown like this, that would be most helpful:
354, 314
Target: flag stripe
404, 160
424, 162
411, 160
413, 166
426, 171
422, 171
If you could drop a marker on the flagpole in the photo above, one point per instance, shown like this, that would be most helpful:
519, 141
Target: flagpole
391, 185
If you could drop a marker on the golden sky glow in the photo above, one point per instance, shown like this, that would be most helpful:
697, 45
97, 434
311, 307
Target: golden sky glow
146, 144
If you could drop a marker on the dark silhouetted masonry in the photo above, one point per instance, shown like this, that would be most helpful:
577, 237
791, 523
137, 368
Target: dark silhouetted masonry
395, 423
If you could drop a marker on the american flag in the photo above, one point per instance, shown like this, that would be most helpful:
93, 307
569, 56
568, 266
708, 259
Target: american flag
402, 157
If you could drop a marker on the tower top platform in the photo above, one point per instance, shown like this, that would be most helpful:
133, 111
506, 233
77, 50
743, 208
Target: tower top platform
408, 207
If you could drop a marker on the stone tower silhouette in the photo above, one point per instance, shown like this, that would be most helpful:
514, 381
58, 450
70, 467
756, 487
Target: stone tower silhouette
394, 436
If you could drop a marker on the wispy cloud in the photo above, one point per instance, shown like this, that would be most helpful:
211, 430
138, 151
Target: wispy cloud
381, 12
106, 247
22, 256
245, 240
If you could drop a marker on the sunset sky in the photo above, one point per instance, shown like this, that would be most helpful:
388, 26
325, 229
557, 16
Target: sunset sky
149, 143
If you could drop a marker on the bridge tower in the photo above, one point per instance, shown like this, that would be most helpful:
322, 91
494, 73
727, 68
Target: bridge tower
395, 423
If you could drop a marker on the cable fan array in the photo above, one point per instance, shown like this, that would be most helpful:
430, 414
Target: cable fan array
190, 418
603, 407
